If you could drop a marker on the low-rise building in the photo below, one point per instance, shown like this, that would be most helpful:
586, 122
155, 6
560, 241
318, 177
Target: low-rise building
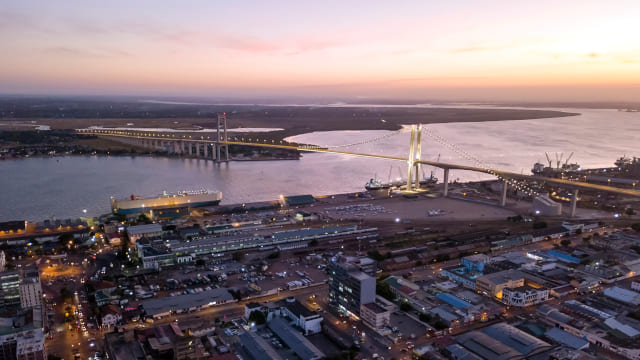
294, 340
111, 316
377, 314
524, 296
492, 284
148, 231
305, 319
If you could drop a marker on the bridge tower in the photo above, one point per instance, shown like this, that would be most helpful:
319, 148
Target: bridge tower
222, 122
415, 152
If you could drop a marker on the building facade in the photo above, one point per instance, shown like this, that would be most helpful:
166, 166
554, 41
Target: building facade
524, 296
349, 287
9, 288
492, 285
377, 314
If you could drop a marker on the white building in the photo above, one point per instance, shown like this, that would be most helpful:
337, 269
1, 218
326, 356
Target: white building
110, 316
3, 261
635, 286
307, 320
377, 314
30, 292
524, 296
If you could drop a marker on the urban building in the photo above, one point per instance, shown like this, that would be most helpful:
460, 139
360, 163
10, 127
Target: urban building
377, 314
24, 345
111, 316
9, 289
162, 307
492, 284
502, 342
524, 296
30, 289
349, 286
294, 340
149, 231
635, 286
257, 347
305, 319
3, 261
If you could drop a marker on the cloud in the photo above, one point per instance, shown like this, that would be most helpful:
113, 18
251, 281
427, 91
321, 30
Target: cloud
479, 49
593, 55
76, 52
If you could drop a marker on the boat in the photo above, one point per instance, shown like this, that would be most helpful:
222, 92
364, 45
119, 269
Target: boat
624, 161
136, 204
429, 181
375, 184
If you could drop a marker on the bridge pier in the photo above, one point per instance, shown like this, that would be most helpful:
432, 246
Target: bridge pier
445, 180
205, 150
503, 196
574, 200
176, 147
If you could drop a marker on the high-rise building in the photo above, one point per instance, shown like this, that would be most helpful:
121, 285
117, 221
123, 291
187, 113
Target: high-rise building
30, 289
9, 288
3, 261
352, 283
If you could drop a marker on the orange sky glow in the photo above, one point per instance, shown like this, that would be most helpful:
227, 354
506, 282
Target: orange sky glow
486, 50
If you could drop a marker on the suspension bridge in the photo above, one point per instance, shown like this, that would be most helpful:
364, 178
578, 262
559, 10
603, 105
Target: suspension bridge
216, 147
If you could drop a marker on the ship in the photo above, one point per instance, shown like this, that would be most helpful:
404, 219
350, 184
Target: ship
377, 184
540, 169
136, 204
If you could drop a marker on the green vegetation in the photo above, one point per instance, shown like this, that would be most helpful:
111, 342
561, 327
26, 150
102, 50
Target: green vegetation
237, 256
636, 227
383, 289
425, 317
539, 225
565, 242
406, 307
274, 255
375, 255
313, 243
65, 293
257, 317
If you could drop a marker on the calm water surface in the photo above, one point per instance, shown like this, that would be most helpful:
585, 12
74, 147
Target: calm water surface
63, 187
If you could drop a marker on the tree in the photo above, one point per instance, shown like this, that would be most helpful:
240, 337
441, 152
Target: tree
629, 211
313, 243
539, 225
406, 307
237, 256
144, 219
565, 242
425, 317
65, 293
383, 289
200, 262
636, 227
257, 317
274, 255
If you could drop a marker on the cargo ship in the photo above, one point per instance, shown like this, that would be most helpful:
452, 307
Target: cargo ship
165, 200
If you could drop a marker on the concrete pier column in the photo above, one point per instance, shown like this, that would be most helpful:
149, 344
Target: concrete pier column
574, 200
176, 147
445, 191
503, 196
190, 145
206, 150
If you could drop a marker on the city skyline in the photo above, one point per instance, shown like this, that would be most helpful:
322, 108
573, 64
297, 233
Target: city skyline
496, 50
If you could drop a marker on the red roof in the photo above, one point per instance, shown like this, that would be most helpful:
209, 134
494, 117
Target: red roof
109, 309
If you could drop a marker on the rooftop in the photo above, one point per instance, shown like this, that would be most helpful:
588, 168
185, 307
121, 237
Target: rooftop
166, 304
293, 339
567, 339
144, 229
257, 347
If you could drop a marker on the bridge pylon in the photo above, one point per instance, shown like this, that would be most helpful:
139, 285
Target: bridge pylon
415, 152
221, 141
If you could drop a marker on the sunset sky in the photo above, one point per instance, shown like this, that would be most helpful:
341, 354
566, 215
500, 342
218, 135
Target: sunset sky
453, 50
